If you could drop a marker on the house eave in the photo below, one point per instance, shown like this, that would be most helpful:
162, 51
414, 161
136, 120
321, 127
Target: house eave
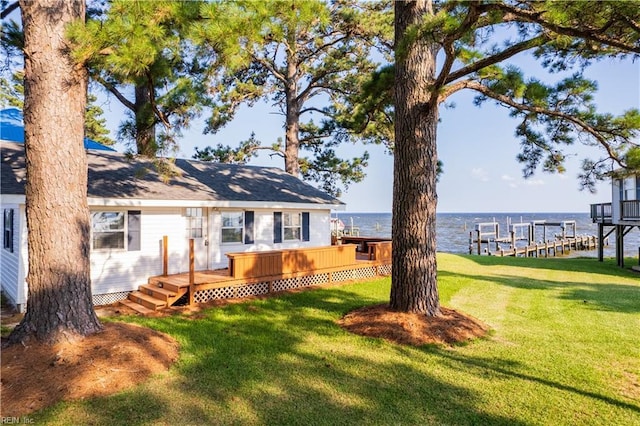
12, 198
133, 202
136, 202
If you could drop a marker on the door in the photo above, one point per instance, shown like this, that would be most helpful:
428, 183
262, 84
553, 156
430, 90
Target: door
198, 230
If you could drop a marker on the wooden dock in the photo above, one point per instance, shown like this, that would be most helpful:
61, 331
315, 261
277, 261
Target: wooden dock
521, 239
550, 248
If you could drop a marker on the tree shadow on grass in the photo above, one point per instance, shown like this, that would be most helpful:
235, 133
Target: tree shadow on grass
509, 369
130, 408
623, 298
574, 264
280, 362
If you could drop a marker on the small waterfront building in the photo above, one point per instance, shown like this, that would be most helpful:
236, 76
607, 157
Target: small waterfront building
224, 208
621, 215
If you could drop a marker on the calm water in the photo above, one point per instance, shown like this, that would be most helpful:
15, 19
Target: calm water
453, 228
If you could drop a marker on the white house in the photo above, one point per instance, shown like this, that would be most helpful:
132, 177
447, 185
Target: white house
224, 208
621, 215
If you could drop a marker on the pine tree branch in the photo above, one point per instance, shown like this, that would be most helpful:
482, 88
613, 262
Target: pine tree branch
453, 88
270, 67
152, 100
498, 57
10, 8
448, 45
314, 109
506, 100
278, 152
111, 88
305, 94
633, 24
315, 52
536, 17
313, 137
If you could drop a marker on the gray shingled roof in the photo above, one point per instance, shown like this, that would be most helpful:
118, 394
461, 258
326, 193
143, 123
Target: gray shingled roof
114, 175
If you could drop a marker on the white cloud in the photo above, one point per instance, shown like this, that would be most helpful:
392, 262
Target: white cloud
480, 174
510, 180
534, 182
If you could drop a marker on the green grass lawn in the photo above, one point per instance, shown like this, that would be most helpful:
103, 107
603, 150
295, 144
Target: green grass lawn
565, 349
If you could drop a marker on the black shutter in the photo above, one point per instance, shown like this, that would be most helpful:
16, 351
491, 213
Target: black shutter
248, 227
8, 229
277, 227
305, 226
133, 227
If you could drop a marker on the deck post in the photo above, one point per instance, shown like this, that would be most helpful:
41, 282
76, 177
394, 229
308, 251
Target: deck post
600, 242
192, 285
165, 255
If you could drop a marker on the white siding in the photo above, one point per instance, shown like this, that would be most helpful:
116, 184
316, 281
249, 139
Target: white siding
114, 271
623, 190
319, 235
615, 200
120, 270
12, 270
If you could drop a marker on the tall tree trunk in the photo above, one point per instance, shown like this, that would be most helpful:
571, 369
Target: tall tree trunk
146, 143
292, 119
60, 304
414, 279
292, 140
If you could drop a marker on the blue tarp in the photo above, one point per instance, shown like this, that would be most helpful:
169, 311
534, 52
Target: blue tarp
12, 129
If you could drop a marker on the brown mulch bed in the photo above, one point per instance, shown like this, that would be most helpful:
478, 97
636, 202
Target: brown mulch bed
450, 327
35, 376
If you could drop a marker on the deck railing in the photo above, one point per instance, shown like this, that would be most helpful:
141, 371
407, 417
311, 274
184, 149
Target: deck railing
601, 212
381, 251
630, 210
277, 262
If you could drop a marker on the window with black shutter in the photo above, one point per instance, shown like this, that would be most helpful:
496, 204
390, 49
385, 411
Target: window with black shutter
8, 230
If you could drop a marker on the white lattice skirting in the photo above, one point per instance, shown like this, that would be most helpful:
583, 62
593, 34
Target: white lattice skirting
255, 289
109, 298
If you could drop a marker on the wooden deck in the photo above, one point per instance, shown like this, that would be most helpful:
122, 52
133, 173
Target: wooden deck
256, 273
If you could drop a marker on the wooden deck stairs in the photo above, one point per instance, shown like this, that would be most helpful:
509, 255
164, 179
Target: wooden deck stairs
159, 293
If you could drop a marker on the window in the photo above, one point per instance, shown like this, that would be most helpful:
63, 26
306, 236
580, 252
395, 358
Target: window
291, 226
232, 227
108, 230
629, 190
195, 222
116, 230
8, 229
237, 227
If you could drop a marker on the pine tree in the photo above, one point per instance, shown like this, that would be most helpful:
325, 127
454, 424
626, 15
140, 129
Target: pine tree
297, 55
138, 51
563, 36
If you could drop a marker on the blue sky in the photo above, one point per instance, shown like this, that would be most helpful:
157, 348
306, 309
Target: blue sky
477, 146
